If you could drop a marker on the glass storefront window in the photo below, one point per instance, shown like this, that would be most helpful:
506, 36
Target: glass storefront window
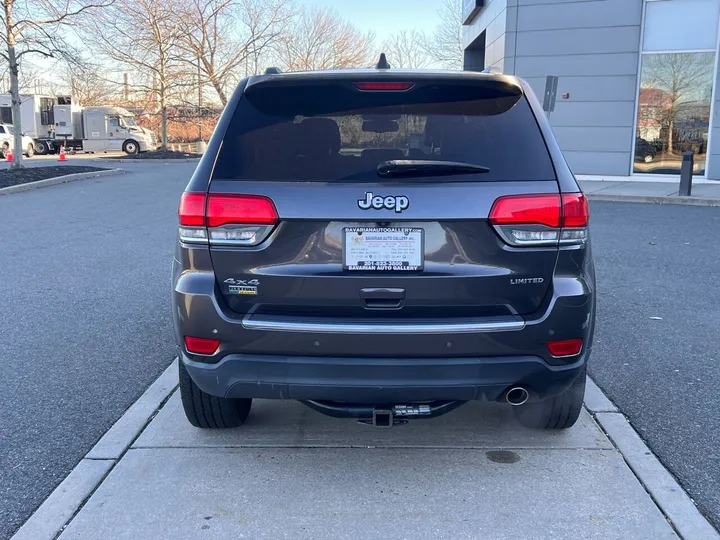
681, 25
673, 111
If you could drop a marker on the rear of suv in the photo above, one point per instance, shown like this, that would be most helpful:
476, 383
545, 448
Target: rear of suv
383, 245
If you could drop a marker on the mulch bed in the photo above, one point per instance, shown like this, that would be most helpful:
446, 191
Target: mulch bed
15, 177
159, 154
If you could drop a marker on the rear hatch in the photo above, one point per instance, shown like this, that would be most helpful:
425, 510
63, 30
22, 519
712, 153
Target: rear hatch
352, 197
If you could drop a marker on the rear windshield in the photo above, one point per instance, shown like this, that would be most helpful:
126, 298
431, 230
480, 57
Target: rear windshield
333, 132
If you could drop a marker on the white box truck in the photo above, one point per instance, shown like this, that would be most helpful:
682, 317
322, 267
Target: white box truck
52, 121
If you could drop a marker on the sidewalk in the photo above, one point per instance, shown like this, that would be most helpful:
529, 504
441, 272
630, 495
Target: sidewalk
293, 473
650, 192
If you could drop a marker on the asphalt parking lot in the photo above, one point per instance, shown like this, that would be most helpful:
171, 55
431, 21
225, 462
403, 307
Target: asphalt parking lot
657, 354
85, 332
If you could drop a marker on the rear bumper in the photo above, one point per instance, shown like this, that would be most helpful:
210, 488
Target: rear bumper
419, 360
381, 380
198, 310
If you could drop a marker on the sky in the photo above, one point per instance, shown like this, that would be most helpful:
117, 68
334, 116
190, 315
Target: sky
384, 16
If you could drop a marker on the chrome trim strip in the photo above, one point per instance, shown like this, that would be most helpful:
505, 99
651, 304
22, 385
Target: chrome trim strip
251, 323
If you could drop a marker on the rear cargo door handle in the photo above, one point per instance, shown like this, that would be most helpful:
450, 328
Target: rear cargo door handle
382, 298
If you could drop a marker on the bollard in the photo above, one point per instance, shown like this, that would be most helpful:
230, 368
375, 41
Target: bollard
686, 173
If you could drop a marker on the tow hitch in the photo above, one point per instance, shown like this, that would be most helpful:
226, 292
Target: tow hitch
382, 419
383, 416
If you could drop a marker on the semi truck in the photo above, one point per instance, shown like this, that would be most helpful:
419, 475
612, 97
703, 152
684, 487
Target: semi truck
54, 121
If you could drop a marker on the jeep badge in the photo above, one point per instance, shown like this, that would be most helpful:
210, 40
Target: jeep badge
398, 204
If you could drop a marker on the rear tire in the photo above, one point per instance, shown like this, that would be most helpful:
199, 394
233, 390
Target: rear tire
559, 412
210, 412
41, 148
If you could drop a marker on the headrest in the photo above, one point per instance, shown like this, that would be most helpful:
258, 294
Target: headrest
318, 137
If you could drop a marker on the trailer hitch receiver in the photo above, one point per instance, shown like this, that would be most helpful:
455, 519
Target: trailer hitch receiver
383, 416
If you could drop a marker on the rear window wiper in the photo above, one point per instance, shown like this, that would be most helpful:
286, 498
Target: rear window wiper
407, 168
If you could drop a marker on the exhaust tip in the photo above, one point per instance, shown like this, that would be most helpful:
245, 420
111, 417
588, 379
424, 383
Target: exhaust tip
517, 396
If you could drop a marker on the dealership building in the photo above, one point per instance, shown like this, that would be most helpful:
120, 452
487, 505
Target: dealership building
634, 81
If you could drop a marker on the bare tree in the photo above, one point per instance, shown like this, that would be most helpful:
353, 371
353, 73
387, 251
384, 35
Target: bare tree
224, 36
87, 84
322, 39
142, 36
34, 27
28, 74
444, 45
680, 80
405, 50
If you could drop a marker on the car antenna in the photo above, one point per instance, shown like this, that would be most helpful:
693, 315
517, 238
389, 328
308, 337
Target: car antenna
382, 63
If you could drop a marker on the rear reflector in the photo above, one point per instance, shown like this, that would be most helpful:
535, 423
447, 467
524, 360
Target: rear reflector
383, 86
569, 347
527, 210
192, 209
240, 209
197, 345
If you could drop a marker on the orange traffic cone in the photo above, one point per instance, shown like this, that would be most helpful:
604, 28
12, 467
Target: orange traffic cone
62, 157
9, 156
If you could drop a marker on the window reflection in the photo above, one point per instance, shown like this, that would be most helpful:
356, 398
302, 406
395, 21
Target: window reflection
673, 111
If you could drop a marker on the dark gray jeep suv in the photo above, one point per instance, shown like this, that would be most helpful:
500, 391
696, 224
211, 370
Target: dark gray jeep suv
383, 245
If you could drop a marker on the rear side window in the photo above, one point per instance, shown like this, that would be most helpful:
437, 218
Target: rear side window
334, 132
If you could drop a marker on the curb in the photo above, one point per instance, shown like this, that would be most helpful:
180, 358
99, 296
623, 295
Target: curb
166, 161
66, 500
58, 180
665, 491
691, 201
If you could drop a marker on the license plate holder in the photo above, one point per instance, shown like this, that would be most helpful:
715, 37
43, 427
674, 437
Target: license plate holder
383, 249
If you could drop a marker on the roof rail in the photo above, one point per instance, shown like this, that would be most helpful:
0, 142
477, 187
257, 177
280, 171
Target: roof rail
272, 71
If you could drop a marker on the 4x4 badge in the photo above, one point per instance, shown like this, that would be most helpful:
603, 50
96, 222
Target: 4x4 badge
398, 204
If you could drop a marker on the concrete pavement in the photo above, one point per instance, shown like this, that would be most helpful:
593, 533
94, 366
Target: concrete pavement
705, 194
293, 473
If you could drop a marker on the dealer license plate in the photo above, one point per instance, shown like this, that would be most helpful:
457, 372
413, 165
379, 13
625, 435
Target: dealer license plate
379, 249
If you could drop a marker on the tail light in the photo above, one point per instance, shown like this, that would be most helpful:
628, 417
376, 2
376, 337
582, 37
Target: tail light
244, 220
541, 220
